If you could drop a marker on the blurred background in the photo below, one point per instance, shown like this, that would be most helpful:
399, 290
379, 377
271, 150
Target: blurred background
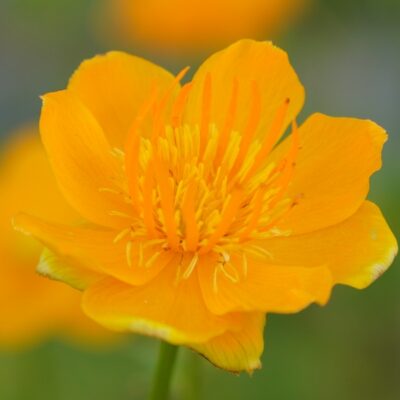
347, 54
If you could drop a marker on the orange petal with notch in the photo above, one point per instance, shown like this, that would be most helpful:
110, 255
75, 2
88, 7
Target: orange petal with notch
337, 156
114, 86
357, 251
237, 351
250, 63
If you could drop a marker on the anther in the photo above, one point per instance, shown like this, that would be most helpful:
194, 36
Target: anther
233, 278
141, 256
245, 264
226, 256
191, 266
115, 213
128, 250
121, 235
189, 217
152, 259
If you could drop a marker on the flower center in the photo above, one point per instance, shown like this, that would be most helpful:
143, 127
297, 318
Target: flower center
199, 189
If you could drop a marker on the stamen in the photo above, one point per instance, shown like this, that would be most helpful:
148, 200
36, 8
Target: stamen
271, 226
271, 138
128, 250
258, 251
176, 118
233, 278
121, 235
116, 213
153, 258
153, 242
245, 264
206, 114
215, 277
117, 152
167, 203
247, 136
191, 266
288, 170
132, 149
189, 217
148, 202
109, 190
221, 268
160, 107
180, 75
141, 255
227, 218
257, 209
226, 256
179, 270
227, 129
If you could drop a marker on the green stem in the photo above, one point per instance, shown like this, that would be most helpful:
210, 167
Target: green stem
192, 376
162, 377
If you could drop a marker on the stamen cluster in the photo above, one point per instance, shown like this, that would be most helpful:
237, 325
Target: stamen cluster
201, 189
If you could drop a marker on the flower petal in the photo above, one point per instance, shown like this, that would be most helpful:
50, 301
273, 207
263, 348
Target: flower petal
83, 250
54, 267
336, 159
237, 351
81, 158
357, 251
262, 287
165, 308
249, 62
114, 86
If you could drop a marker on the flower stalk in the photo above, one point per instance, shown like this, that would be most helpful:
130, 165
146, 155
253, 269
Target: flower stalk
164, 369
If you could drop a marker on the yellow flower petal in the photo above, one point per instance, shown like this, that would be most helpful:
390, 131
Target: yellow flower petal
165, 308
337, 156
114, 86
357, 251
89, 251
82, 160
257, 67
259, 286
237, 351
55, 267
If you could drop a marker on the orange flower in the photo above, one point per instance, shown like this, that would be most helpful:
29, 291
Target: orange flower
189, 27
33, 308
198, 222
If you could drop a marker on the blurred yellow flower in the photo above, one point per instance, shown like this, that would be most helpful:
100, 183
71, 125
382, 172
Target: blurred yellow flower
198, 222
33, 308
193, 26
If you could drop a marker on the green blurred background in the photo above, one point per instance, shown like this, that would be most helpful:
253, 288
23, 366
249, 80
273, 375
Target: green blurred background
347, 54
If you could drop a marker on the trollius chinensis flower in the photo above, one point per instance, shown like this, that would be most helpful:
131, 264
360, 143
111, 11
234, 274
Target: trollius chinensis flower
201, 216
